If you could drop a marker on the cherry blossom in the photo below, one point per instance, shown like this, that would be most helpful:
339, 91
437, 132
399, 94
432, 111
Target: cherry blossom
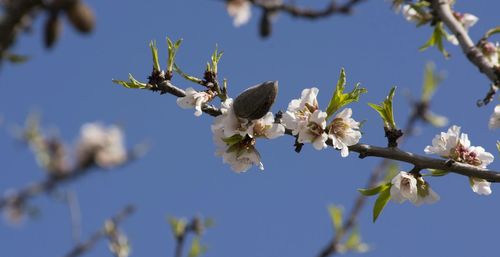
240, 11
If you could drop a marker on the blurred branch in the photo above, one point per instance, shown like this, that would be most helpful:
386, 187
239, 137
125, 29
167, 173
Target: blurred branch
332, 247
301, 12
20, 197
15, 18
473, 53
100, 234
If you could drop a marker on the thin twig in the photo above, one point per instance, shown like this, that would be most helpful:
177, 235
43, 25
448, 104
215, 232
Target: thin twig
473, 53
301, 12
84, 247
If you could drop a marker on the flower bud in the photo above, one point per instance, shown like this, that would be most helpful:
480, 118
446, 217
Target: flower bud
255, 102
81, 17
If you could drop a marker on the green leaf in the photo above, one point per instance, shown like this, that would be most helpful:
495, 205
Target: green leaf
234, 139
381, 201
16, 58
438, 173
209, 223
336, 214
374, 190
431, 81
340, 98
215, 58
435, 120
436, 39
178, 226
186, 76
385, 110
172, 51
154, 53
354, 242
391, 172
197, 248
491, 32
132, 83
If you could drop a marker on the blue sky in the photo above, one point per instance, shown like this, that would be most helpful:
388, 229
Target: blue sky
278, 212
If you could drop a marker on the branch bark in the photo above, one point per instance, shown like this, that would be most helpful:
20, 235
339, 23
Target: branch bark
296, 11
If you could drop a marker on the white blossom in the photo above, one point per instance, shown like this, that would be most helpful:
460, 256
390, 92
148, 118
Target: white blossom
456, 146
314, 130
495, 118
443, 143
242, 159
105, 145
240, 11
490, 51
425, 193
411, 14
404, 187
480, 186
193, 99
344, 131
468, 20
265, 127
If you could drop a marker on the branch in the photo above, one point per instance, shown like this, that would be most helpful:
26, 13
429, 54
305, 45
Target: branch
293, 10
48, 185
13, 21
81, 248
473, 53
365, 150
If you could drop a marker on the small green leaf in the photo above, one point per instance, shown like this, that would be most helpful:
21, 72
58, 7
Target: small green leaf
385, 110
354, 243
491, 32
435, 120
186, 76
16, 58
178, 226
196, 248
209, 223
172, 51
336, 214
154, 53
132, 83
436, 39
374, 190
215, 58
431, 81
438, 173
234, 139
340, 98
381, 201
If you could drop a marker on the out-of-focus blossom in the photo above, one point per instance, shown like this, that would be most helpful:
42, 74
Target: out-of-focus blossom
495, 118
490, 51
240, 11
101, 145
344, 131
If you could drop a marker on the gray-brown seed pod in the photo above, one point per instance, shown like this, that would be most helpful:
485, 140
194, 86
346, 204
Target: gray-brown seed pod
255, 102
81, 16
53, 29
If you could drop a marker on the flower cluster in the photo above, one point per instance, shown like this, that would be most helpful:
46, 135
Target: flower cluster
405, 186
235, 137
490, 51
306, 121
101, 145
456, 146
